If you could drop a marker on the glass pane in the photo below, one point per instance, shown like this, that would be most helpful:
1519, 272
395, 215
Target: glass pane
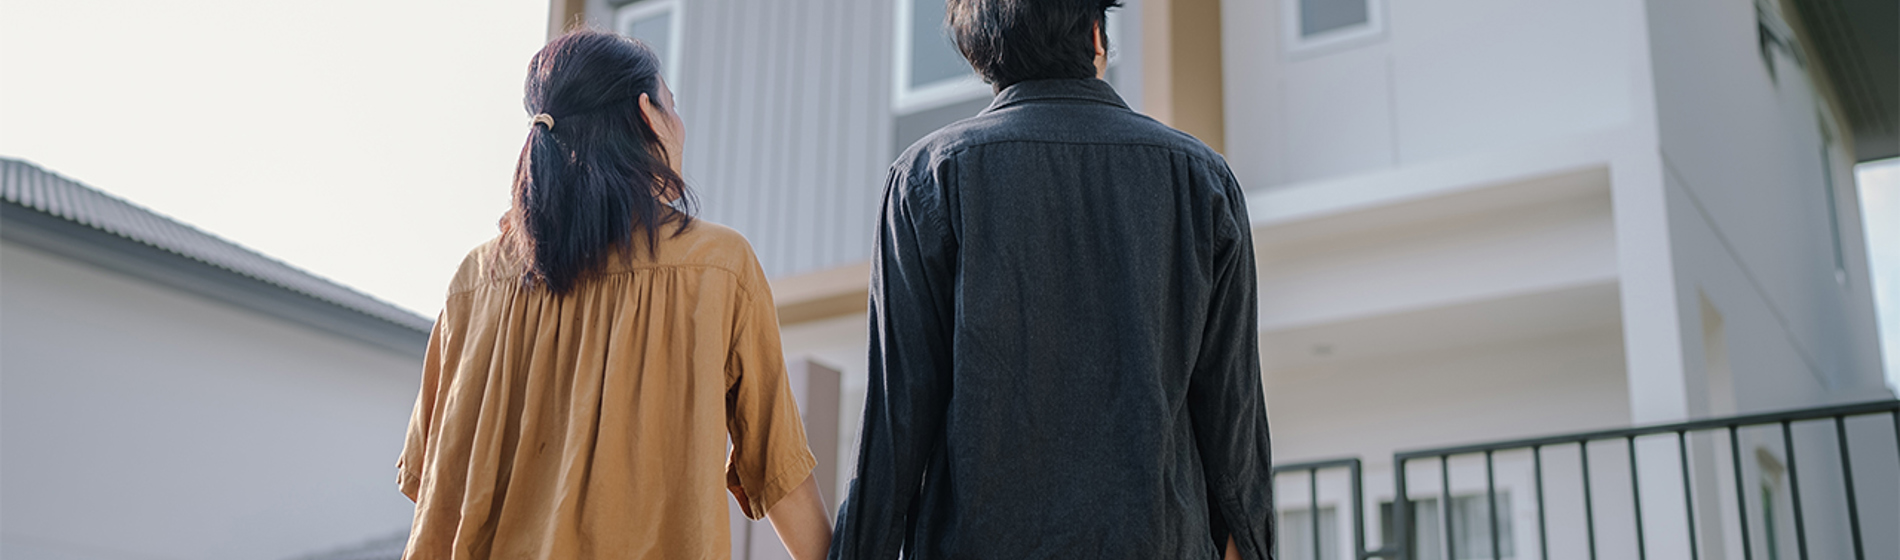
933, 58
1320, 16
1294, 536
656, 31
1472, 527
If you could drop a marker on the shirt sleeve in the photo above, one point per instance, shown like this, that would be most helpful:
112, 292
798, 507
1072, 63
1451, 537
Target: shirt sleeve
414, 447
1226, 401
911, 325
769, 454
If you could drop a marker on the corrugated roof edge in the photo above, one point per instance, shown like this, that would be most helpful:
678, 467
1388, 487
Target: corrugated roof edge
35, 189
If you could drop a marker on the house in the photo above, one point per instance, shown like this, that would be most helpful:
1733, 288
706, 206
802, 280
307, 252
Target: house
1475, 220
165, 393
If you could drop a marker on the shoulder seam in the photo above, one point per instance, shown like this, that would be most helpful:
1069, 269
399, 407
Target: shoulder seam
490, 281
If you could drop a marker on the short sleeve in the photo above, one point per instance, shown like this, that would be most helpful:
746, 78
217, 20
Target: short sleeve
421, 418
769, 454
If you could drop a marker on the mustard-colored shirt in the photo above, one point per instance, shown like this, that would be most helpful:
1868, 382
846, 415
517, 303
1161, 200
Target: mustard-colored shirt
595, 424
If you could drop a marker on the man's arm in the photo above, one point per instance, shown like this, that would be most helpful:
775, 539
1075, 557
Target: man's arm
910, 363
1225, 397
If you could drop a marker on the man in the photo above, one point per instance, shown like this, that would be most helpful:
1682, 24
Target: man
1063, 355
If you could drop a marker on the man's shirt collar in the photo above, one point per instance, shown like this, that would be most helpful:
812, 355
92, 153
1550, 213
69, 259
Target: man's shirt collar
1083, 89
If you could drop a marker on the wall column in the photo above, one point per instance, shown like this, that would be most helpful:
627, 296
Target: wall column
1181, 67
564, 15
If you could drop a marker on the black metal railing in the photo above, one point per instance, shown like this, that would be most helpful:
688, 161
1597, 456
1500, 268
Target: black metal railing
1400, 546
1354, 476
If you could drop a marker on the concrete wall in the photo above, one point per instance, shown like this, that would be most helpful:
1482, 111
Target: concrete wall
138, 422
1444, 79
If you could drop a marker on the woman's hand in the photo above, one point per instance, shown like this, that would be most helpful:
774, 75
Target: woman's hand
799, 519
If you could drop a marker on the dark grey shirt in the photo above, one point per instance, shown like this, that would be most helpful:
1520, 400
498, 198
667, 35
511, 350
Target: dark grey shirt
1064, 357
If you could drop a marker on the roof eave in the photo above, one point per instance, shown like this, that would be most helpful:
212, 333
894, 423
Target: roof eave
32, 228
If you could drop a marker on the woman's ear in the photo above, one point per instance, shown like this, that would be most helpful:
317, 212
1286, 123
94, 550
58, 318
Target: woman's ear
651, 113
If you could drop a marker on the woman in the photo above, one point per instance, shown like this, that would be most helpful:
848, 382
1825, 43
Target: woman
591, 361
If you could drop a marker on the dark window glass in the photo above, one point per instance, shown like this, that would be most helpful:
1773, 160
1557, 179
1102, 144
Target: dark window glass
1320, 16
932, 57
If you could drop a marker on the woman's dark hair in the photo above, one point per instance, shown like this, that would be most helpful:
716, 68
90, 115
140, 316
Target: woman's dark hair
588, 182
1009, 41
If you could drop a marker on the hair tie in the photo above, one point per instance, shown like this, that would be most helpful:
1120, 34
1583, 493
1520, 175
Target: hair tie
543, 118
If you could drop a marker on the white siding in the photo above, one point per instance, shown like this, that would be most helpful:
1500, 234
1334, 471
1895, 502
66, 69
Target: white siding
141, 422
787, 108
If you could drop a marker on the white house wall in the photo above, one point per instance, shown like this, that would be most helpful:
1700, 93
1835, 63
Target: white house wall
1741, 150
141, 422
787, 111
1371, 408
1374, 407
1407, 257
1446, 78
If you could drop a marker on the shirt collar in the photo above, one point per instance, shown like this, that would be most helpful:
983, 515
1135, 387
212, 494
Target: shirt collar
1082, 89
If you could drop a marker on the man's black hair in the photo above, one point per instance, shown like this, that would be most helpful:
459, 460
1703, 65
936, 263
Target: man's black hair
1009, 41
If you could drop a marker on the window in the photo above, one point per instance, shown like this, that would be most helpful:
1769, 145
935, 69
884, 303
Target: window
1768, 531
1833, 206
929, 72
656, 23
1773, 512
1471, 527
1321, 25
1296, 534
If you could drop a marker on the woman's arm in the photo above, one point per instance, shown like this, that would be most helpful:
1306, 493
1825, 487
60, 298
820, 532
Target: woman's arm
799, 519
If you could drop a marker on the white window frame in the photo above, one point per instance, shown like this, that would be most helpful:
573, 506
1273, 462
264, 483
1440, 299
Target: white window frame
906, 99
644, 9
1334, 40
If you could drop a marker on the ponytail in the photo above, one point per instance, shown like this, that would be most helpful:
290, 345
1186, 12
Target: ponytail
593, 173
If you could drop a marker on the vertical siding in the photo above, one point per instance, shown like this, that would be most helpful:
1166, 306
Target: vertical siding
787, 107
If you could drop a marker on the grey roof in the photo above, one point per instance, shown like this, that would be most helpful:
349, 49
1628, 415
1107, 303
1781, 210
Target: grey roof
381, 548
32, 188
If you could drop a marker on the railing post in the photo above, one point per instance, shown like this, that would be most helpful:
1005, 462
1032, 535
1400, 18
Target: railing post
1636, 498
1794, 488
1688, 492
1543, 535
1741, 496
1589, 512
1444, 503
1312, 508
1358, 512
1401, 540
1491, 507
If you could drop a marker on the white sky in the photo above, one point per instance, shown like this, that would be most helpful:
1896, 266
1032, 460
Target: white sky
1880, 208
368, 141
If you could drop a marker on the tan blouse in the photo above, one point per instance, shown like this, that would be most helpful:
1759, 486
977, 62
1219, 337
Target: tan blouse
595, 424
